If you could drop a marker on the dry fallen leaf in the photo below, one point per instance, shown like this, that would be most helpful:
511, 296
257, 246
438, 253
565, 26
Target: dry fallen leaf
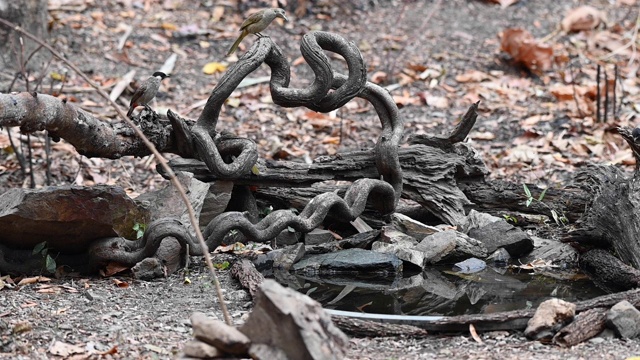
217, 13
472, 76
120, 283
33, 280
524, 49
582, 18
63, 349
214, 67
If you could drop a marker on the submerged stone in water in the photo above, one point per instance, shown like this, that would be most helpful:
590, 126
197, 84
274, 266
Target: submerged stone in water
470, 266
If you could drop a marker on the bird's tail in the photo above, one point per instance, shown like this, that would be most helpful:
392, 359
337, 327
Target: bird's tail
130, 110
235, 45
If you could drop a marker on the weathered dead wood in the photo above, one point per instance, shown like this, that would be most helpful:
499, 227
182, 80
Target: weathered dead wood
248, 276
585, 326
430, 175
364, 328
91, 136
608, 272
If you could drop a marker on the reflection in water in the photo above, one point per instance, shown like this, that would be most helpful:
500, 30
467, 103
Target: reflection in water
438, 291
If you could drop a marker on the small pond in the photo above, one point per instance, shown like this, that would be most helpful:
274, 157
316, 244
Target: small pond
441, 291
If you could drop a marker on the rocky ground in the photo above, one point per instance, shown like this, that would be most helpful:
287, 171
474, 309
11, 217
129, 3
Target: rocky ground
437, 56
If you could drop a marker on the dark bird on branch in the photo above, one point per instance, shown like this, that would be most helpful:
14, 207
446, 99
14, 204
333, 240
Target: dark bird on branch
146, 92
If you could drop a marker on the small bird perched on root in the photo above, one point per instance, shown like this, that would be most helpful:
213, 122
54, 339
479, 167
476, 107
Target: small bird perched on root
256, 23
147, 91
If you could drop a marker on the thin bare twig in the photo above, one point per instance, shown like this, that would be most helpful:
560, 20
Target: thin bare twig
163, 162
573, 87
598, 93
606, 94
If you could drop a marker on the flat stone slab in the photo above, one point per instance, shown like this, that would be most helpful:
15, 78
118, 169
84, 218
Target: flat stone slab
349, 261
67, 217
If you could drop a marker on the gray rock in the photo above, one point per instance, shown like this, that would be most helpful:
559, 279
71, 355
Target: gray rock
167, 202
411, 227
550, 316
624, 319
501, 234
500, 256
200, 350
30, 216
470, 266
403, 249
350, 261
285, 258
467, 247
148, 269
318, 236
558, 253
360, 240
287, 237
476, 220
215, 332
293, 322
392, 235
437, 246
266, 352
215, 201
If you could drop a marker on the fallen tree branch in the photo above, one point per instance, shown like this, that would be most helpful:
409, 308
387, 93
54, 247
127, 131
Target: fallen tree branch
152, 148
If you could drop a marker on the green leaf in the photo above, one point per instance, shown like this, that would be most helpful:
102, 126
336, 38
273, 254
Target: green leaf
221, 266
50, 264
544, 192
526, 191
529, 200
39, 247
139, 229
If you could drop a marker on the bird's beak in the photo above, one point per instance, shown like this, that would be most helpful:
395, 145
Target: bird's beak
285, 18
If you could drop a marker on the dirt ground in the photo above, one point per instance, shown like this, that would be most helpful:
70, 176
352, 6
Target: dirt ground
524, 133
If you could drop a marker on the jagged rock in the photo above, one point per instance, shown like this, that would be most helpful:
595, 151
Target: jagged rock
294, 323
393, 241
215, 332
403, 249
391, 235
500, 256
476, 220
360, 240
285, 258
411, 227
287, 237
266, 352
501, 234
200, 350
29, 216
550, 316
318, 236
467, 247
170, 254
215, 201
148, 269
558, 253
167, 202
437, 246
349, 261
624, 319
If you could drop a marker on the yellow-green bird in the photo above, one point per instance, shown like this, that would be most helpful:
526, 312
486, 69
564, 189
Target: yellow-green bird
256, 23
